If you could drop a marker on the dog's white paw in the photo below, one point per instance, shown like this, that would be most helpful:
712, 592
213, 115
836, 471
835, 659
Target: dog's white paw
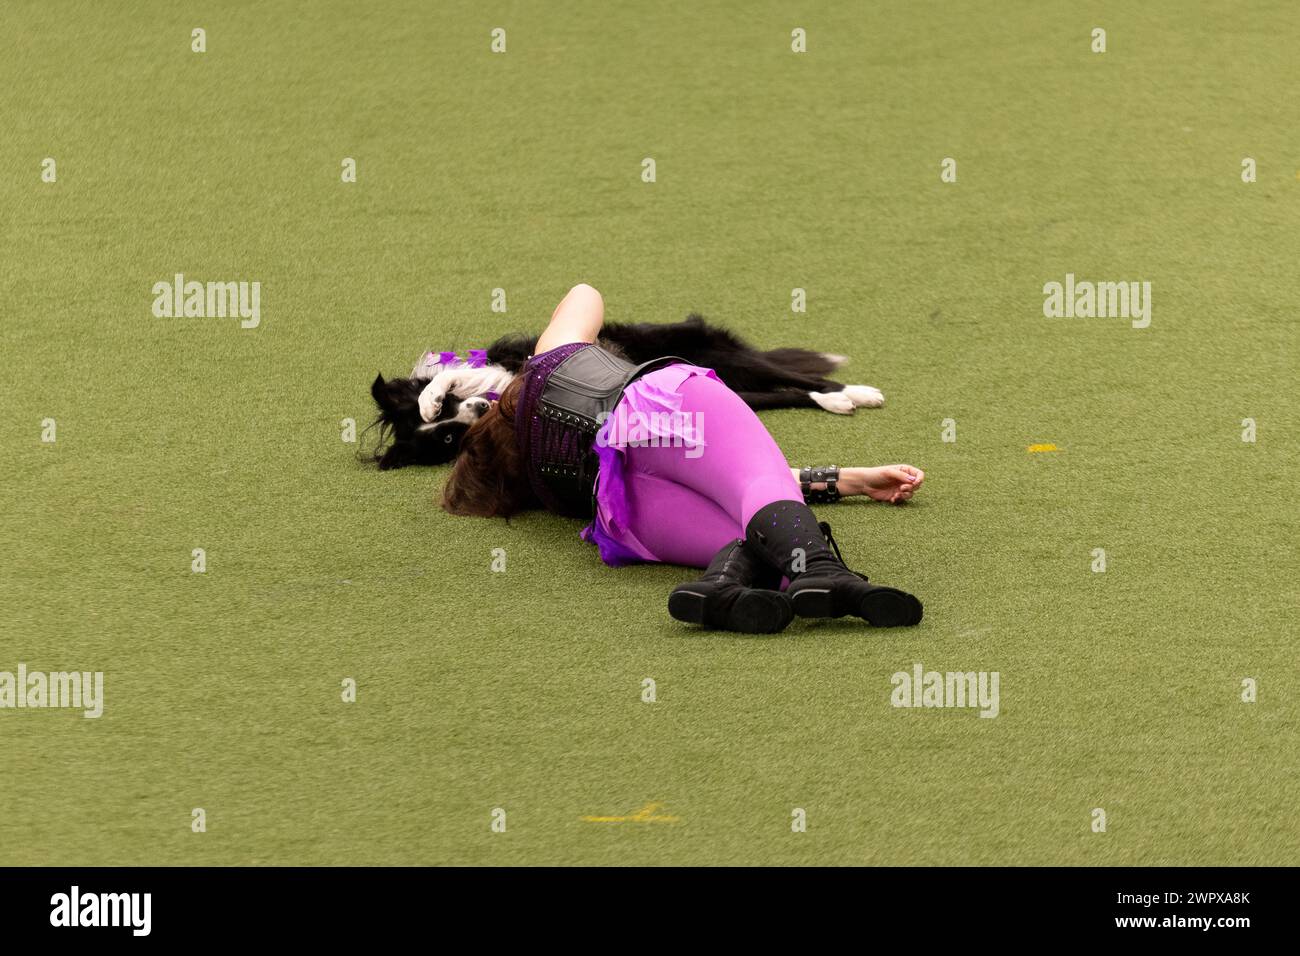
835, 360
837, 402
864, 396
430, 402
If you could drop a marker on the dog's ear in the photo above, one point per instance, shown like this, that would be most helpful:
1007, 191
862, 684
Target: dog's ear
390, 395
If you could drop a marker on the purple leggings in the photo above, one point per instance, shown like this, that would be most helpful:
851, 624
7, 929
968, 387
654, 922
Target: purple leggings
682, 509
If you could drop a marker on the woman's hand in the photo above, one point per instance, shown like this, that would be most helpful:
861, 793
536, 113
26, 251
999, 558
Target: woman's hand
892, 483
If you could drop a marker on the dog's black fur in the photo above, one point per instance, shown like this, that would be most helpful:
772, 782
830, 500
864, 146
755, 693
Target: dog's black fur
779, 378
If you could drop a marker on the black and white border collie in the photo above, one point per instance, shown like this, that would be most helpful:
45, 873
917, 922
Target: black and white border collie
422, 419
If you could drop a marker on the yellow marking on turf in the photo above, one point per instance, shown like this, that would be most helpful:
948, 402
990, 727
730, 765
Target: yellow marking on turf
646, 814
1034, 448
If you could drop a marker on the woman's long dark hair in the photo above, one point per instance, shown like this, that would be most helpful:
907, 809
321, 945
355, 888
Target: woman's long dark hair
488, 478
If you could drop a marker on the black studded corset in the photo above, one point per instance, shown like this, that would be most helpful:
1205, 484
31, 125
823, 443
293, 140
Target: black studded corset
568, 393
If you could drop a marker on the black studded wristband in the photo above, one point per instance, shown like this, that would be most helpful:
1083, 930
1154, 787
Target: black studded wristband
830, 474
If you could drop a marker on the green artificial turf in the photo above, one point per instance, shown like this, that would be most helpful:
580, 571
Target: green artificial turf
522, 171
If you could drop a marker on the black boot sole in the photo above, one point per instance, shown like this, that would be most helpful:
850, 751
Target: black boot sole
880, 607
755, 611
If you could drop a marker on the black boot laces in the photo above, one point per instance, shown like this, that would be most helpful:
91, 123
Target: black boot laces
825, 527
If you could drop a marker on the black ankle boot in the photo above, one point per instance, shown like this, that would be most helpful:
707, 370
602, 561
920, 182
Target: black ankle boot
789, 536
723, 598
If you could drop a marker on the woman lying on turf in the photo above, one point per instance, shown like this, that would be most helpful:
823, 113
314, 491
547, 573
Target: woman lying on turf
701, 483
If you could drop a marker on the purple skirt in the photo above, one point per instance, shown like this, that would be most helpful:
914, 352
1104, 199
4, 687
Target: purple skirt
654, 402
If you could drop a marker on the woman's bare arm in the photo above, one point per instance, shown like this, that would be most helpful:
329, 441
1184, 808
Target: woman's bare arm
577, 318
893, 483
